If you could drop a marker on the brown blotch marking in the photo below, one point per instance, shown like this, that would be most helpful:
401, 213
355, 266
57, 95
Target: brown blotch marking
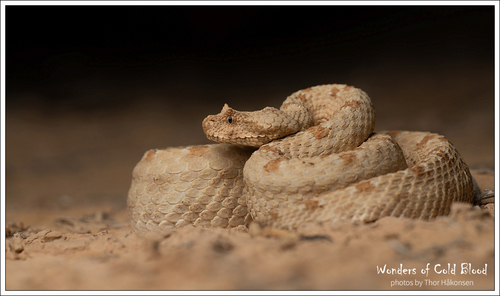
436, 151
335, 91
417, 170
311, 204
351, 103
365, 186
445, 156
348, 158
424, 141
302, 92
268, 148
302, 97
348, 87
274, 164
318, 131
150, 154
197, 151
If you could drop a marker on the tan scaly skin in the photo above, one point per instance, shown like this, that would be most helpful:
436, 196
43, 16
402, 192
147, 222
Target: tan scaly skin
318, 161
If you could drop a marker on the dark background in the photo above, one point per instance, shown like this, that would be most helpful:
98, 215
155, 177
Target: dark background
52, 49
91, 88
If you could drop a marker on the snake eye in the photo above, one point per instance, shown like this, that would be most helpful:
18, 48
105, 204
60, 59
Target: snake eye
230, 119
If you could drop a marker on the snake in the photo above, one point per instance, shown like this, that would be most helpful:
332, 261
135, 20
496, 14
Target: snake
316, 159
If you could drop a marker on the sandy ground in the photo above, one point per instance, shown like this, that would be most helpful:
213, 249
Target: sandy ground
68, 173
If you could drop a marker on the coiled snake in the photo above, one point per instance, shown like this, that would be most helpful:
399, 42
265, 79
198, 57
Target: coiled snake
318, 160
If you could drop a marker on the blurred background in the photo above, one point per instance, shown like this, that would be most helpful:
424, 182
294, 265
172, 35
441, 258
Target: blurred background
91, 88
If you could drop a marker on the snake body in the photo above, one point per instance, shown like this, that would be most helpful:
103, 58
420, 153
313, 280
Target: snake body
316, 159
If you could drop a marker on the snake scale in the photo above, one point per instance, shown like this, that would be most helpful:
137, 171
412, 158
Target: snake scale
316, 159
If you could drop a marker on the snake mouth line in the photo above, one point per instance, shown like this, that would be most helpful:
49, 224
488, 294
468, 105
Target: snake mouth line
253, 141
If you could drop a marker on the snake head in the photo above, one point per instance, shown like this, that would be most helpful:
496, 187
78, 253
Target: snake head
245, 128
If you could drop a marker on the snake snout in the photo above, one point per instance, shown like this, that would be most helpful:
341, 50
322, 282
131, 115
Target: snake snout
208, 124
211, 128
